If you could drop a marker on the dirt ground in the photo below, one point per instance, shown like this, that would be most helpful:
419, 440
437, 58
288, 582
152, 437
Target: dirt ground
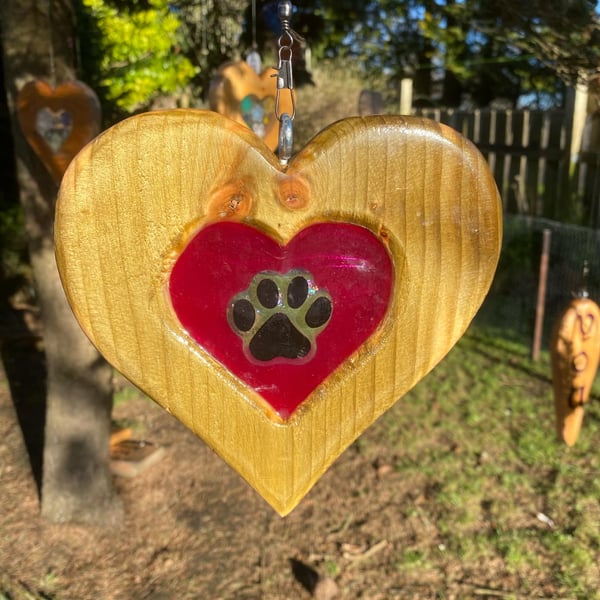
195, 530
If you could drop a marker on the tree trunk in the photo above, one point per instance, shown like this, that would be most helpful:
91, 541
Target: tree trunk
38, 43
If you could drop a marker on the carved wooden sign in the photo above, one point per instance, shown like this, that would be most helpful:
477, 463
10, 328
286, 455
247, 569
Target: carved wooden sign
58, 121
277, 311
241, 94
575, 352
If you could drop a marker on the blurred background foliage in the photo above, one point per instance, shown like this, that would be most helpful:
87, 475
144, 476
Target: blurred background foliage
137, 52
472, 51
143, 54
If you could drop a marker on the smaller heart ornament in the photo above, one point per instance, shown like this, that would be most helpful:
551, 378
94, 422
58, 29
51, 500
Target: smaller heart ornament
58, 121
277, 311
575, 354
241, 94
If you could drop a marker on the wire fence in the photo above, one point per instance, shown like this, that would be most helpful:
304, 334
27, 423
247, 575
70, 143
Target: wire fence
513, 299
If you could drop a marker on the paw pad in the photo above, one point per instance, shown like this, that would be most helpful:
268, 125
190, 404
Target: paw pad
280, 316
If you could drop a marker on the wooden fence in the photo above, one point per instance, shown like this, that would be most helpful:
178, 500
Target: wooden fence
528, 152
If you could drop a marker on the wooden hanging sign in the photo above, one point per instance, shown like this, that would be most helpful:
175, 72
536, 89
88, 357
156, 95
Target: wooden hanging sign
58, 121
241, 94
575, 353
277, 311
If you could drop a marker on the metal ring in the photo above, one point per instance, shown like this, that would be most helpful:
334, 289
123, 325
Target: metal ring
286, 40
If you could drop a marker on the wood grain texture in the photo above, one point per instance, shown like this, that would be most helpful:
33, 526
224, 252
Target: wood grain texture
133, 199
575, 352
75, 99
237, 81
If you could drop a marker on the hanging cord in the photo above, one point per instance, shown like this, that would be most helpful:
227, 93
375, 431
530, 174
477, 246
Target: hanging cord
52, 64
253, 24
253, 58
285, 80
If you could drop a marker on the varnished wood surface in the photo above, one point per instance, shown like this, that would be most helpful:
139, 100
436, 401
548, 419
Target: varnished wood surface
132, 200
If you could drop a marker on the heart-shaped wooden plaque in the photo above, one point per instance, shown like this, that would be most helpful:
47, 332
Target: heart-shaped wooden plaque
241, 94
58, 121
575, 354
277, 312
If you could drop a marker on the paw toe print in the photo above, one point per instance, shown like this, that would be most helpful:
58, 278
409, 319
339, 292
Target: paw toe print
280, 316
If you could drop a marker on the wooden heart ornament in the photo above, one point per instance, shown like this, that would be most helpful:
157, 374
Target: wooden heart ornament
276, 311
575, 354
58, 121
241, 94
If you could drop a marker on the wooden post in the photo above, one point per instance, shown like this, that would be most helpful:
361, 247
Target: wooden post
541, 295
579, 107
406, 96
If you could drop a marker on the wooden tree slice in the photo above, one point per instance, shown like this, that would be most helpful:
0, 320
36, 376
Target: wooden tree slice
277, 312
58, 122
241, 94
575, 352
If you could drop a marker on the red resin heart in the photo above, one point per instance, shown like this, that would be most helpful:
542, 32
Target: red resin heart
348, 264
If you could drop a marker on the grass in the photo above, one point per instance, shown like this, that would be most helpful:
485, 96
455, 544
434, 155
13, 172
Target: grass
500, 486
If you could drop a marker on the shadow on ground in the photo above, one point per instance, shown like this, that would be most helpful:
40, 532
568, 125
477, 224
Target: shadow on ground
25, 368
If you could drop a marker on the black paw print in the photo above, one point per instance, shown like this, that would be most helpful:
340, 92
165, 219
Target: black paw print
280, 316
